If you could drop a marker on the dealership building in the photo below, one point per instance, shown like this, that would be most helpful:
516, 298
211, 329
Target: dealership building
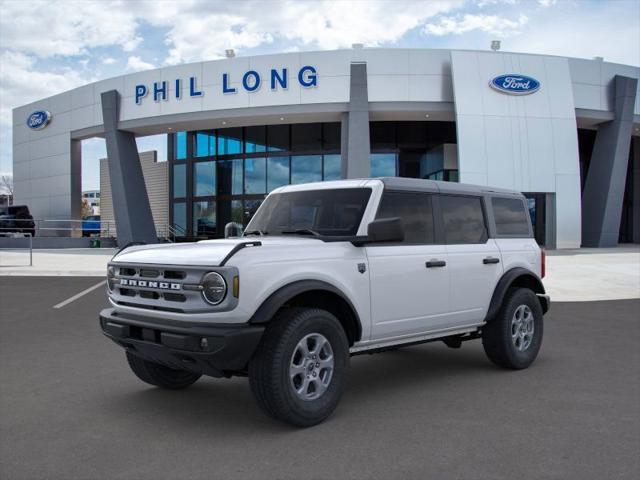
564, 131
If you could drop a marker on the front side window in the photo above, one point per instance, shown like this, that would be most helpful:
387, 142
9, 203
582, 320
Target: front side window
463, 219
511, 217
331, 212
415, 211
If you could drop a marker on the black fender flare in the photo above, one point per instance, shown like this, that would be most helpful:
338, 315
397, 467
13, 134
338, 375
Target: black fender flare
280, 297
530, 280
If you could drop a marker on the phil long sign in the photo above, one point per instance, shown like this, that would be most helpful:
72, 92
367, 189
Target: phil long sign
251, 81
515, 84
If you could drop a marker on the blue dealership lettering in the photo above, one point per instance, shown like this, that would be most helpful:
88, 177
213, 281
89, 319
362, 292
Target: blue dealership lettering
225, 84
275, 77
250, 82
515, 84
307, 76
192, 88
251, 86
38, 119
159, 88
141, 92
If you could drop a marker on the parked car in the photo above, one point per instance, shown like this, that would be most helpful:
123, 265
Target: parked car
329, 270
17, 219
91, 225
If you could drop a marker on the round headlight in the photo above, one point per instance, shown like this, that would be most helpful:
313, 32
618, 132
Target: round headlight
214, 288
111, 273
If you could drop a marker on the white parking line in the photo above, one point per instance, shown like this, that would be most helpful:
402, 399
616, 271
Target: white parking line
78, 295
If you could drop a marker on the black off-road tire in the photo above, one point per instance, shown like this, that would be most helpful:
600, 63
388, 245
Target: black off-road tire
269, 374
497, 334
159, 375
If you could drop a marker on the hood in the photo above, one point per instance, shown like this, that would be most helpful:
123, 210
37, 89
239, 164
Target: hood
203, 253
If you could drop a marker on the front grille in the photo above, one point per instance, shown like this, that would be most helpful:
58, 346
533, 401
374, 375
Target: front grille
156, 287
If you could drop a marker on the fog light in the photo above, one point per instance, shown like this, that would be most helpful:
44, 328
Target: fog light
204, 344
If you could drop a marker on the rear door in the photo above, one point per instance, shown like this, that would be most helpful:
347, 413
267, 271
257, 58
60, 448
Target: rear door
409, 279
475, 264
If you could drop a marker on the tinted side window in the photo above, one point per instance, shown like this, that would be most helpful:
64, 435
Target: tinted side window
415, 211
463, 219
511, 218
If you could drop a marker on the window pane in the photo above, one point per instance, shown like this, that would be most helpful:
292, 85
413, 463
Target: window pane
331, 133
383, 165
230, 141
306, 168
204, 218
255, 175
412, 135
255, 139
204, 144
179, 181
204, 179
332, 167
415, 211
463, 219
180, 145
306, 137
236, 211
180, 217
511, 218
278, 138
230, 177
277, 172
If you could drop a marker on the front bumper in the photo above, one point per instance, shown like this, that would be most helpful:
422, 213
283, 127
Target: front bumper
211, 349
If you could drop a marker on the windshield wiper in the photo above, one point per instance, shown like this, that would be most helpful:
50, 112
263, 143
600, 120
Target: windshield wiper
255, 232
301, 231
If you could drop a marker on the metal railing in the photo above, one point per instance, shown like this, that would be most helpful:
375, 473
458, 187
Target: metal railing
57, 228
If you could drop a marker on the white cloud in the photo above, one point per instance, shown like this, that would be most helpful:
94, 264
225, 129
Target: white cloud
547, 3
491, 24
108, 61
135, 64
66, 28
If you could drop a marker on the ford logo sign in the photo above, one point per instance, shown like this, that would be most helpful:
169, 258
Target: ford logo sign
38, 120
515, 84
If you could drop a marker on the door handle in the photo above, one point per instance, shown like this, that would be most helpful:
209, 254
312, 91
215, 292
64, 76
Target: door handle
436, 263
490, 260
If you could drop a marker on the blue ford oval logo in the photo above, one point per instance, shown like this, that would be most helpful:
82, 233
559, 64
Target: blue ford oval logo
38, 120
515, 84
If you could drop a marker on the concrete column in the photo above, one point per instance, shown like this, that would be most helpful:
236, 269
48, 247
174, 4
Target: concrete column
636, 190
604, 188
356, 162
131, 208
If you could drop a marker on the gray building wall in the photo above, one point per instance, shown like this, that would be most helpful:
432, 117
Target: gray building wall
156, 179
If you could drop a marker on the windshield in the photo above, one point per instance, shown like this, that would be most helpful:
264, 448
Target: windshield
332, 212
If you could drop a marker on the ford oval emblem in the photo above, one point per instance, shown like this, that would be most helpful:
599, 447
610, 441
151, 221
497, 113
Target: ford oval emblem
515, 84
38, 120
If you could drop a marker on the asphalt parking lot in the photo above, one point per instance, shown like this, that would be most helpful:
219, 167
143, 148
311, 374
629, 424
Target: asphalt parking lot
70, 408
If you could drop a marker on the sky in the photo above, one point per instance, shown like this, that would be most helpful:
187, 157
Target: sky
47, 47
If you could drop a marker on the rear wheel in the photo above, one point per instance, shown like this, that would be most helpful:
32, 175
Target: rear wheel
298, 372
514, 337
159, 375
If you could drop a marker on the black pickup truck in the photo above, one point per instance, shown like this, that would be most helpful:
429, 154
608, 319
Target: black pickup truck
16, 218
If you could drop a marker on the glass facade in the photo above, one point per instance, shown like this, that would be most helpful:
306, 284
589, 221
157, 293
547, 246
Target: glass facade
223, 175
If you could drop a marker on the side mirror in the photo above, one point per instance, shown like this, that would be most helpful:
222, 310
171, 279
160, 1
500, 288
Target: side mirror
385, 230
232, 229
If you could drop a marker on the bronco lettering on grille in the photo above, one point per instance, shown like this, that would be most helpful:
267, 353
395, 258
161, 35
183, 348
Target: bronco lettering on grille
129, 282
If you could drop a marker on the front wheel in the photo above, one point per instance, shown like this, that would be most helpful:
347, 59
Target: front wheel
513, 338
298, 372
159, 375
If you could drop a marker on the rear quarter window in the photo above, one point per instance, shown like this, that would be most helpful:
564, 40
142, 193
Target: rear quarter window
510, 216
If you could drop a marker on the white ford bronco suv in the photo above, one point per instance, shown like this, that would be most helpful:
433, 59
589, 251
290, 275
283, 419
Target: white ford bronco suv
329, 270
